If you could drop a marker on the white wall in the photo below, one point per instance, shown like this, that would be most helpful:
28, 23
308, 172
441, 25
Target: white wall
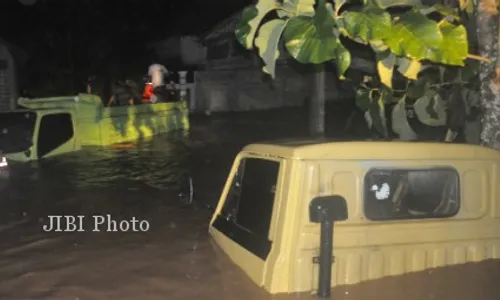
192, 50
168, 48
187, 48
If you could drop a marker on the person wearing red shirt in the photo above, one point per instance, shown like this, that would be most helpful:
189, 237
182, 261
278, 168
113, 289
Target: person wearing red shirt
148, 93
156, 73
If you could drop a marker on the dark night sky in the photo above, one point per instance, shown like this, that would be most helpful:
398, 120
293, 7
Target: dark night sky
72, 38
135, 19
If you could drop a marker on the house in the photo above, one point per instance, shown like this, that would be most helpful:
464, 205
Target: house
232, 78
11, 60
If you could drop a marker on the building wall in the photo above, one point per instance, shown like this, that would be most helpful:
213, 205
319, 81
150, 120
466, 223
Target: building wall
233, 80
192, 51
238, 84
8, 88
168, 48
188, 49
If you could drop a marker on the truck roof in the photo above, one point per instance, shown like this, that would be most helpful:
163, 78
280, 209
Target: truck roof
370, 150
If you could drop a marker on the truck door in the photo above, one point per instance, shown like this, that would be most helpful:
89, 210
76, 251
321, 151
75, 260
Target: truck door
242, 226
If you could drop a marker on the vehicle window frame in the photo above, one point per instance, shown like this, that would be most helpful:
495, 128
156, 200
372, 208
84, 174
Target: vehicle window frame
26, 122
427, 216
40, 128
228, 225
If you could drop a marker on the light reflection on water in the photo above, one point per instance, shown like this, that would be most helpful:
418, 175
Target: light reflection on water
158, 163
113, 179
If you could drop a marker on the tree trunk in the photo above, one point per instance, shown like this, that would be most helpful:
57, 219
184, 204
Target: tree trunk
489, 75
317, 104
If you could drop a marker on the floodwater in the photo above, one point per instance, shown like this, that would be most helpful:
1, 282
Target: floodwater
174, 258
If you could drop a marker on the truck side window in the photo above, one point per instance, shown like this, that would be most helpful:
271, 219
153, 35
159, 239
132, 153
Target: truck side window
55, 130
395, 194
247, 212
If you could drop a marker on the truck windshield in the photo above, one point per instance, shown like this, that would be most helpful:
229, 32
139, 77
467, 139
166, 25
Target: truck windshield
16, 131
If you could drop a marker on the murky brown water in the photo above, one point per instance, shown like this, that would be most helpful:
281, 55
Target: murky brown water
175, 258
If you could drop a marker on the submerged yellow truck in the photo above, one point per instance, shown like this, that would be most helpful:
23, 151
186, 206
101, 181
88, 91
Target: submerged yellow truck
303, 216
51, 126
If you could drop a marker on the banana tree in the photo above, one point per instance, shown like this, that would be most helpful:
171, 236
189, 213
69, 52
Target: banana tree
442, 97
311, 32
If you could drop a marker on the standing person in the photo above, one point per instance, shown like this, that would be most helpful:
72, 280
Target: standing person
148, 94
124, 93
89, 84
156, 74
133, 90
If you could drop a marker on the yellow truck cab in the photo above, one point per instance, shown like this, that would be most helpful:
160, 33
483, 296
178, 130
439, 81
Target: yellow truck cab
52, 126
303, 216
34, 134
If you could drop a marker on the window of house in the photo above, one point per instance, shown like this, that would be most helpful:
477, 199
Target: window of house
248, 209
55, 130
394, 194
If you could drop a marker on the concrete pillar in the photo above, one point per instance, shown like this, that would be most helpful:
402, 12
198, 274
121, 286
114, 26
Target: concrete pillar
317, 104
182, 83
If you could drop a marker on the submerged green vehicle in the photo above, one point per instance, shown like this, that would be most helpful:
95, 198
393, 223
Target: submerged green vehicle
52, 126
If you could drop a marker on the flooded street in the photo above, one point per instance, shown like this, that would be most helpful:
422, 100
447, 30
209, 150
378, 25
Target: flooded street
174, 259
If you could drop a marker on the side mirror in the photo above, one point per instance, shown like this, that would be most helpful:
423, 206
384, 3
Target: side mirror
326, 210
